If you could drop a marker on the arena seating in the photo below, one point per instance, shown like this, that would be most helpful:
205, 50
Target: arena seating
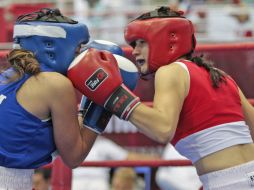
3, 29
9, 14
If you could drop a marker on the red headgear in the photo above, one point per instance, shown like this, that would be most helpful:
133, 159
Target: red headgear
169, 36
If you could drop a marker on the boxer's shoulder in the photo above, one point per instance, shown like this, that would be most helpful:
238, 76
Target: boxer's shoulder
52, 82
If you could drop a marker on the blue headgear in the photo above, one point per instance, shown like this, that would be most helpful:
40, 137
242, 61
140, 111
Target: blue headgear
53, 38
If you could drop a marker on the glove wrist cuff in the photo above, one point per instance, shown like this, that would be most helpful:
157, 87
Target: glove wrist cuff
122, 102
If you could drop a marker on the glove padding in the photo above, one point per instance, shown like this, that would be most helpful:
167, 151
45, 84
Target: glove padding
96, 117
96, 74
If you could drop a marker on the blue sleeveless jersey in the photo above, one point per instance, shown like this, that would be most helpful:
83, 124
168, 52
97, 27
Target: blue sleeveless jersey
25, 140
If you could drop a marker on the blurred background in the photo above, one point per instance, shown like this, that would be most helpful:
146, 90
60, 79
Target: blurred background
224, 31
214, 20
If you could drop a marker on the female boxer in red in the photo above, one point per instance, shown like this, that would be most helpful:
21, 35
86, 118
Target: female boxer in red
197, 107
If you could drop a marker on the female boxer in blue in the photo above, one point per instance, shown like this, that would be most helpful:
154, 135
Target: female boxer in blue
38, 103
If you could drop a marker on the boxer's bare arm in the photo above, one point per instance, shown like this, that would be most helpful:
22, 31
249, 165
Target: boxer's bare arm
171, 88
248, 111
73, 142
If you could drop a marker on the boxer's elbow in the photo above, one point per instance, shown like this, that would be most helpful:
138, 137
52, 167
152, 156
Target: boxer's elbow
72, 160
165, 126
165, 137
162, 138
72, 163
164, 133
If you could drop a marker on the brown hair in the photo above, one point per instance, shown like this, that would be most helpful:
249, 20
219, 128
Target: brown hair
23, 61
216, 75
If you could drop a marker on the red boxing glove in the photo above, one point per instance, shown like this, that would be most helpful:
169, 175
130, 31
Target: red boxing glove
96, 74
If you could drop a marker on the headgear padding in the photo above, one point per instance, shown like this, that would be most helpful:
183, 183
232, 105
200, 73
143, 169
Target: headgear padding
54, 43
169, 37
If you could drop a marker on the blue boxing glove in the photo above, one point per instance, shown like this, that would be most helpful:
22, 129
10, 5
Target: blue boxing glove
104, 45
96, 117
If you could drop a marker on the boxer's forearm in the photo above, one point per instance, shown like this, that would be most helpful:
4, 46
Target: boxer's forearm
153, 123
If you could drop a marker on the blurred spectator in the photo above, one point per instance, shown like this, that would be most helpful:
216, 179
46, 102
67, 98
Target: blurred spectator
99, 15
174, 4
90, 178
168, 178
125, 178
245, 24
201, 22
41, 179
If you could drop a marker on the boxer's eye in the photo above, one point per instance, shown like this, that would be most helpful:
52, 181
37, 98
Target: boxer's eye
133, 44
140, 62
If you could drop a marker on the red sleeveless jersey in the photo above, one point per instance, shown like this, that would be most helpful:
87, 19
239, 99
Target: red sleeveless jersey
206, 106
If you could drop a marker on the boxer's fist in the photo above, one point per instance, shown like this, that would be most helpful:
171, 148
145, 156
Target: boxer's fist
96, 74
128, 69
96, 117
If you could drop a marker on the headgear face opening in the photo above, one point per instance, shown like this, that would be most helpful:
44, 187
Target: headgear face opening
52, 37
168, 34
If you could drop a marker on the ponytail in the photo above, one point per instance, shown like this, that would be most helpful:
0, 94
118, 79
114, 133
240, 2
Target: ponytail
23, 61
216, 75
